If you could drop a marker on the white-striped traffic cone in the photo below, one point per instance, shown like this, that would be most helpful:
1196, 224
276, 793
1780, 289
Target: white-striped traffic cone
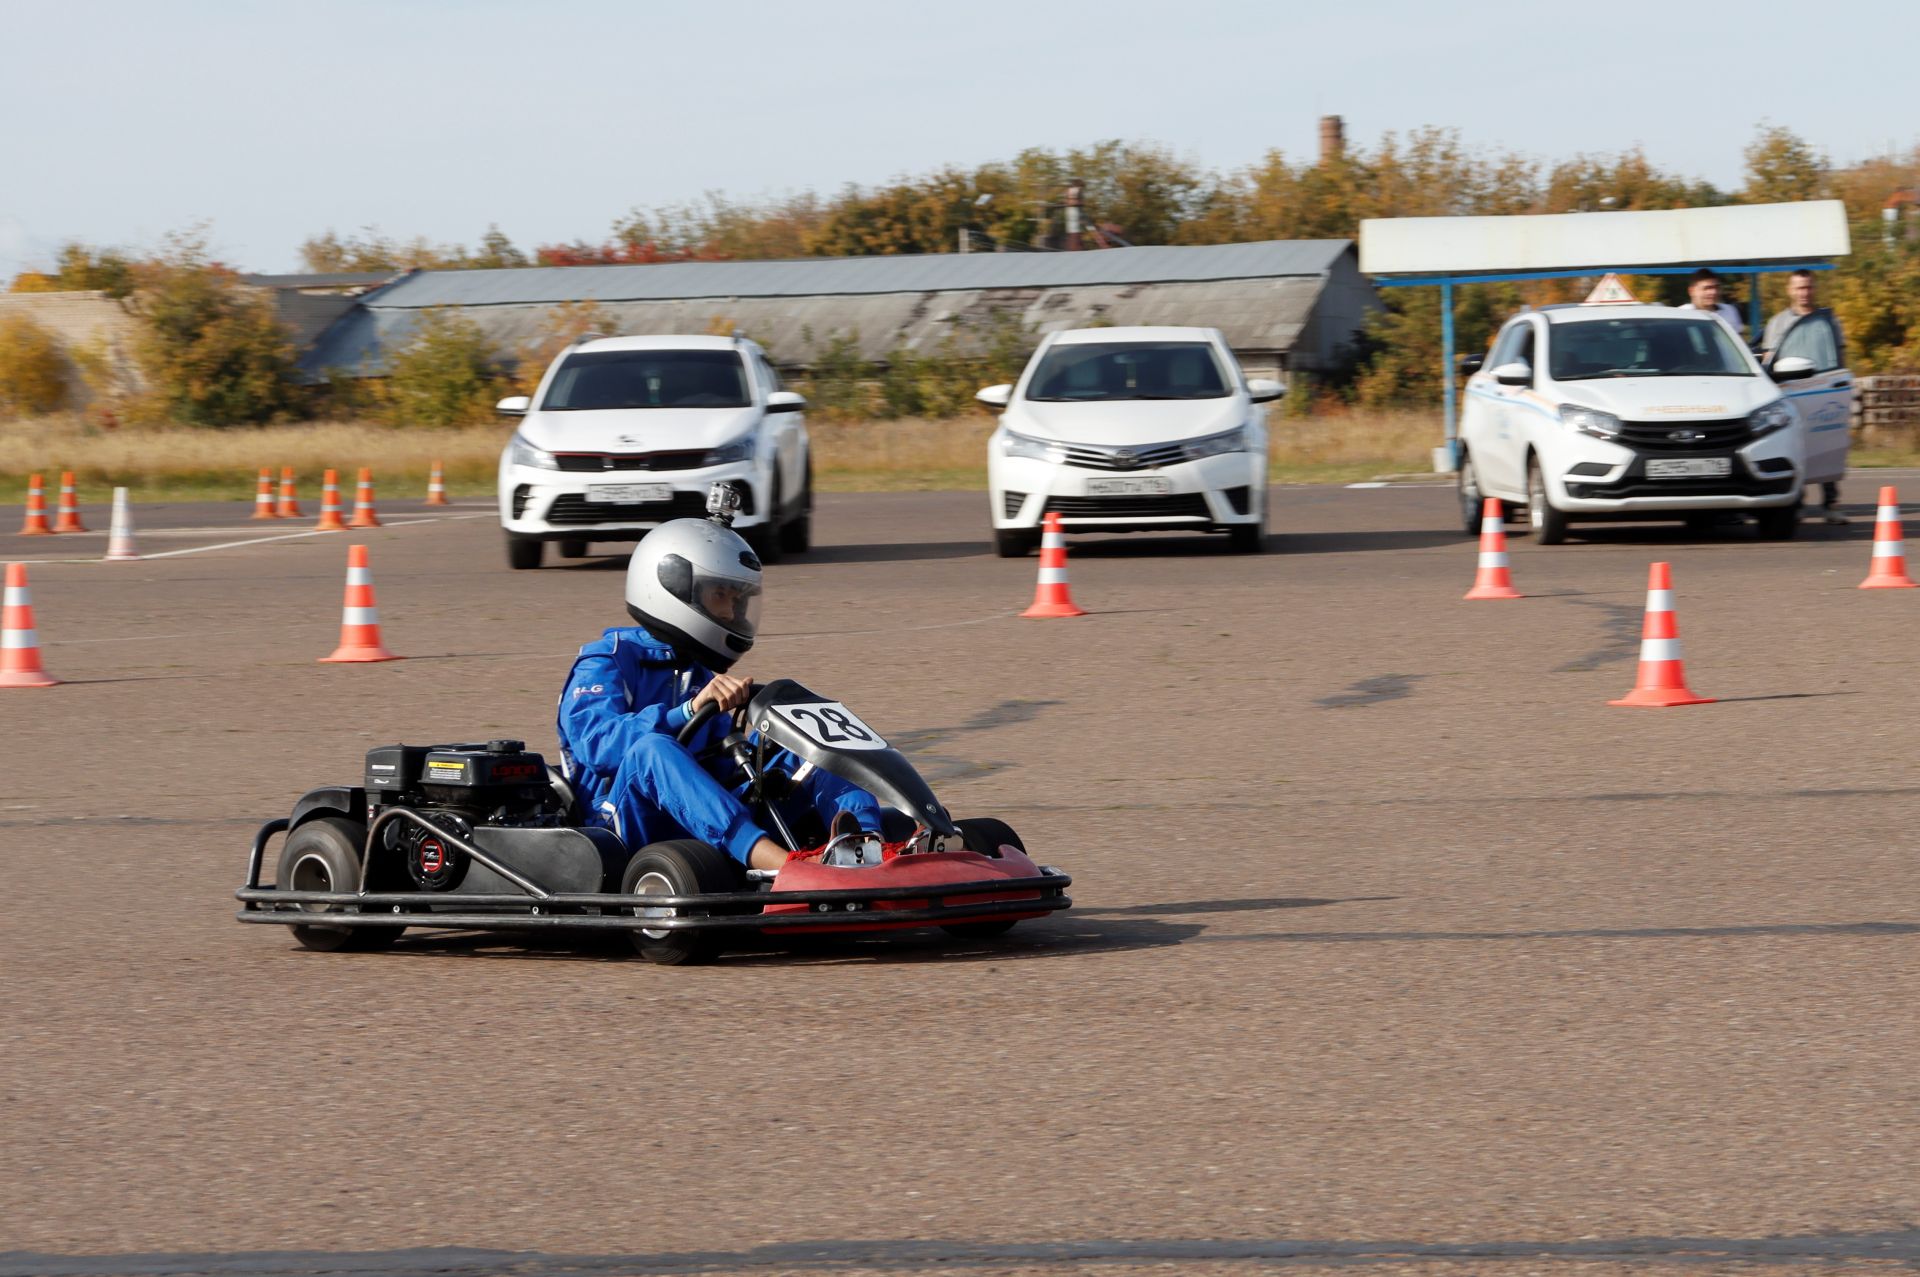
68, 517
360, 619
1889, 570
1493, 580
436, 487
1663, 675
36, 524
120, 530
19, 642
263, 496
289, 507
363, 515
1051, 597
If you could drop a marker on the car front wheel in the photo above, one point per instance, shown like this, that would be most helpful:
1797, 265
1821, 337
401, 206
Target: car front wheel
1472, 500
1778, 524
523, 553
1549, 524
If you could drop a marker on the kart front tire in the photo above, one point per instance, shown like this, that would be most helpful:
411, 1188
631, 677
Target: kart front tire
523, 553
324, 855
680, 867
985, 835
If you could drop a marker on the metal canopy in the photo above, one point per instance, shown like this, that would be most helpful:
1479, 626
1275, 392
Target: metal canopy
1741, 239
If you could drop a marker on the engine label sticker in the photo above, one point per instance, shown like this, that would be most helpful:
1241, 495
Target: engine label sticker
831, 724
440, 769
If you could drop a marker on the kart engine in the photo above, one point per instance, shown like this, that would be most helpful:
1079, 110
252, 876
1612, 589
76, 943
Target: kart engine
457, 787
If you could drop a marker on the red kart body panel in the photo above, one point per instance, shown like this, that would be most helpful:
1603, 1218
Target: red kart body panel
933, 869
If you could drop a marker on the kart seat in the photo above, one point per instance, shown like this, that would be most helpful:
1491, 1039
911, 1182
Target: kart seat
569, 800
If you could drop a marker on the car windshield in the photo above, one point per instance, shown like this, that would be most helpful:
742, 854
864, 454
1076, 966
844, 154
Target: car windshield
1587, 349
603, 379
1085, 372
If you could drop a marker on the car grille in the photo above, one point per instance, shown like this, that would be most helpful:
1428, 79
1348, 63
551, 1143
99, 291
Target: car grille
573, 510
1145, 457
1180, 505
599, 462
1652, 436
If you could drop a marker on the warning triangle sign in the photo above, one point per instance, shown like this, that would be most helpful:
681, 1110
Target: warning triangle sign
1609, 289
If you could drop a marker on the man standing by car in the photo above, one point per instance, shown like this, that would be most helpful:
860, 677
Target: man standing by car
1800, 304
1703, 293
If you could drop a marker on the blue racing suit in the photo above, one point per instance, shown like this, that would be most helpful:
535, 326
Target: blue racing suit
625, 700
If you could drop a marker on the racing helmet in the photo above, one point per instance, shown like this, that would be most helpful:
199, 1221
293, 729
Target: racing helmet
695, 585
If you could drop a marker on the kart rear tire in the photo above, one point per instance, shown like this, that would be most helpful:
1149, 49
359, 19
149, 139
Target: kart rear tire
324, 855
985, 835
681, 867
523, 553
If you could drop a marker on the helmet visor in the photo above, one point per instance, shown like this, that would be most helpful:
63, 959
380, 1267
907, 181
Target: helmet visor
728, 601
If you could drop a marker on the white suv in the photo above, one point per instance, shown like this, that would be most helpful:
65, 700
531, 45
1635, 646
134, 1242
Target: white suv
1629, 411
625, 433
1130, 430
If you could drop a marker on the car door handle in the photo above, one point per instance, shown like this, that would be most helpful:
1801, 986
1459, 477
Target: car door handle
1842, 385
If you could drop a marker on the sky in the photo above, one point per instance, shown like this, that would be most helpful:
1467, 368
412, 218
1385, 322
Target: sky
270, 122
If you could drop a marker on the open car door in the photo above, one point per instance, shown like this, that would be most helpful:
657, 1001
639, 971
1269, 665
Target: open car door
1823, 401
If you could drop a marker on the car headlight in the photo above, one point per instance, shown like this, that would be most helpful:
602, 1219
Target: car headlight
525, 454
1014, 444
1590, 421
1775, 416
739, 450
1215, 445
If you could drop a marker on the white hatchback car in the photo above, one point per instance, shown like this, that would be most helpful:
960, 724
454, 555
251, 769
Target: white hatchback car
1130, 430
625, 433
1627, 411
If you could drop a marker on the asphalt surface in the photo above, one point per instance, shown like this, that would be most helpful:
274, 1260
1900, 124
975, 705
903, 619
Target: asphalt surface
1395, 946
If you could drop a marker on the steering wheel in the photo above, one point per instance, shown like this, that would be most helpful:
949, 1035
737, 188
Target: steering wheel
699, 720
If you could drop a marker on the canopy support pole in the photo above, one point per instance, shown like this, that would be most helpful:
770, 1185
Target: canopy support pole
1446, 458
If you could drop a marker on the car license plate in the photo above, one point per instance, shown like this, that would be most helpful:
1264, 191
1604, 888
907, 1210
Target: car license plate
1689, 467
629, 493
1144, 486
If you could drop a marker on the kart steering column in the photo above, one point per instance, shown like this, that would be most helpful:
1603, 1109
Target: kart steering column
740, 749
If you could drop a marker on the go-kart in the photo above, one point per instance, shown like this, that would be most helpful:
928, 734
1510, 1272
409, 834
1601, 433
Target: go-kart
488, 837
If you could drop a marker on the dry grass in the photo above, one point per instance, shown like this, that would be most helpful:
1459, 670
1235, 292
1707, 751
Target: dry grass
868, 456
186, 464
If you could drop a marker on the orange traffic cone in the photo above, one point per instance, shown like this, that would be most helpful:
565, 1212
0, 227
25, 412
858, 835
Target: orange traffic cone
120, 530
363, 515
1663, 676
436, 488
360, 621
68, 519
263, 496
1889, 571
330, 520
1051, 597
19, 644
1493, 580
36, 524
289, 504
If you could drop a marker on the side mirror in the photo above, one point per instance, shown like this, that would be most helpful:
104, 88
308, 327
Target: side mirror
513, 406
1792, 368
1517, 373
1265, 389
1469, 364
995, 396
786, 401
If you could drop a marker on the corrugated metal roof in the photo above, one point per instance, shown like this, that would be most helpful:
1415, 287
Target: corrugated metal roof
1257, 315
849, 276
346, 279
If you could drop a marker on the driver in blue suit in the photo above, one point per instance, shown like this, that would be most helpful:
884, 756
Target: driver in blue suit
694, 587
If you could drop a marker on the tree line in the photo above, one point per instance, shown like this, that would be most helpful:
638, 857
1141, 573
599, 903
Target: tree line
219, 360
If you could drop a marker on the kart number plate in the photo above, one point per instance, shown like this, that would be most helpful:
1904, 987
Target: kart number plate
831, 724
1689, 467
629, 493
1144, 486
